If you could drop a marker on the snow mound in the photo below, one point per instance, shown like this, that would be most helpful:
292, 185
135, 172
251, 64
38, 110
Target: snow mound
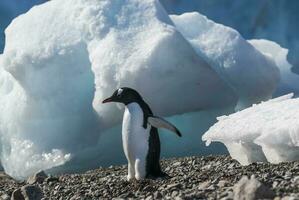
289, 81
268, 131
63, 57
242, 66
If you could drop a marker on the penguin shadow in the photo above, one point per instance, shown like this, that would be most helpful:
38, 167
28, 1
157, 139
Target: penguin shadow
148, 180
149, 184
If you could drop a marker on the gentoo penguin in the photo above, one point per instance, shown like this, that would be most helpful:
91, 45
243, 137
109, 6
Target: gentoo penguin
141, 142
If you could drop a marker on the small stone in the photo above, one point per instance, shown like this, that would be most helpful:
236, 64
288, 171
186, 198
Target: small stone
206, 167
4, 197
75, 197
231, 166
211, 188
38, 177
17, 195
204, 185
275, 184
176, 164
222, 183
32, 192
174, 193
296, 180
52, 179
157, 195
228, 196
149, 198
175, 185
250, 189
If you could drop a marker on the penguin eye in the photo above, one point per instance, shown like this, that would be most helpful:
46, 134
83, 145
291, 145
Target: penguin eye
119, 92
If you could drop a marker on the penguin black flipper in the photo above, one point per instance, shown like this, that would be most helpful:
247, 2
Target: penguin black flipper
159, 122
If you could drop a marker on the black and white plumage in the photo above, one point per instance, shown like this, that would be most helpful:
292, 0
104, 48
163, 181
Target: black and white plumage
141, 142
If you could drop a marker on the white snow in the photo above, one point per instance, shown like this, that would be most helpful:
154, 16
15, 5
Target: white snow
268, 131
252, 75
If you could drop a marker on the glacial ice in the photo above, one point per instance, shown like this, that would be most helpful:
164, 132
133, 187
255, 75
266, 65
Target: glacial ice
268, 131
59, 64
242, 66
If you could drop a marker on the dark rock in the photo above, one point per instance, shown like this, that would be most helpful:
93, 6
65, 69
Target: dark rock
51, 179
17, 195
251, 189
32, 192
38, 177
157, 195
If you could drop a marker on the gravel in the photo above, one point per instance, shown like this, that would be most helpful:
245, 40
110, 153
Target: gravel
210, 177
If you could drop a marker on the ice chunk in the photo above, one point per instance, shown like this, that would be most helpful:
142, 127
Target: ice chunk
242, 66
267, 131
63, 57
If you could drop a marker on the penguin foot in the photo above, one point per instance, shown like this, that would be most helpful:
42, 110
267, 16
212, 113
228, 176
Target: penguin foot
130, 178
161, 175
139, 177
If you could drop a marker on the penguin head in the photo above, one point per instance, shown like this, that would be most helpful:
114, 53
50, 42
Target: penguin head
124, 95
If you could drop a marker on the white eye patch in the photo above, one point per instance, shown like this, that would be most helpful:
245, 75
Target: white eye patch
119, 91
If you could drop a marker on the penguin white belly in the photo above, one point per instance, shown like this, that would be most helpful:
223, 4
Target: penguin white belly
135, 141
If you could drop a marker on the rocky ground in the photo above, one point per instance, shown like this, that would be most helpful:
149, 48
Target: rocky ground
212, 177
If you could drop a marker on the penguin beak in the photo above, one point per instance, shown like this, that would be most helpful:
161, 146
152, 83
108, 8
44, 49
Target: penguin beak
110, 99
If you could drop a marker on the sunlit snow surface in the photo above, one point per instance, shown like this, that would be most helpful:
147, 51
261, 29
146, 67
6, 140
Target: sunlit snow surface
268, 131
242, 66
59, 64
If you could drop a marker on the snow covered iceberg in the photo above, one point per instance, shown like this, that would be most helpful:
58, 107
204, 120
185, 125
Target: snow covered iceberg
268, 131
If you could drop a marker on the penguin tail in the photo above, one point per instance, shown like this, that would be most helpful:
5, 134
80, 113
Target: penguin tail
159, 174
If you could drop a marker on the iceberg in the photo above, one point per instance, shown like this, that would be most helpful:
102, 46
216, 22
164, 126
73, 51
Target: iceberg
58, 64
268, 131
